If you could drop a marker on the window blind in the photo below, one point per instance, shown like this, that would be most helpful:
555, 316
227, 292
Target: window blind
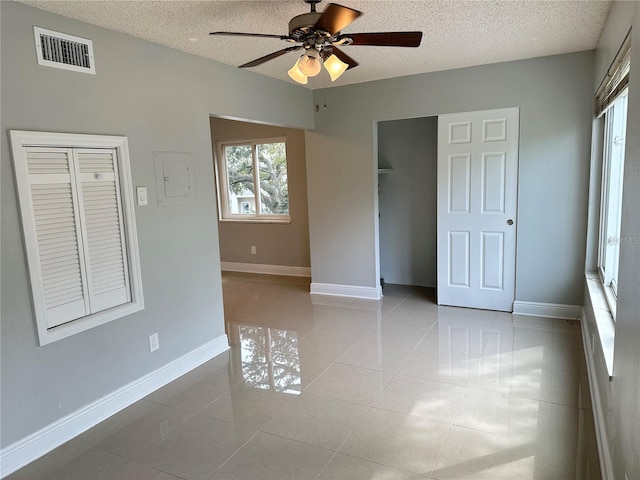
616, 79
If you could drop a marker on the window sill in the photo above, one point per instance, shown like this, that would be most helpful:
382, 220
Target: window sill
603, 319
285, 221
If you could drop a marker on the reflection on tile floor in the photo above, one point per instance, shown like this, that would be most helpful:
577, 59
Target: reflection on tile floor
330, 388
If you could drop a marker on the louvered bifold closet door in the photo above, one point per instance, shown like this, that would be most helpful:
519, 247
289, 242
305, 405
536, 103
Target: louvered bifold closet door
63, 288
101, 215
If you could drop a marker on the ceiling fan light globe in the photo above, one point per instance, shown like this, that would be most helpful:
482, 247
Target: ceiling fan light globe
297, 75
310, 63
335, 67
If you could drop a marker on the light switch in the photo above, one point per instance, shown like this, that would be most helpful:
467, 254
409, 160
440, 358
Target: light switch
141, 193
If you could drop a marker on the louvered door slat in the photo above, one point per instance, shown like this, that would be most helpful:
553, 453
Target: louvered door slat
57, 235
105, 236
71, 286
105, 256
54, 208
104, 225
54, 232
102, 219
70, 256
107, 246
58, 214
62, 277
46, 242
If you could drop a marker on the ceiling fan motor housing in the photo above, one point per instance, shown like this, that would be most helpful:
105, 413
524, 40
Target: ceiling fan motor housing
301, 26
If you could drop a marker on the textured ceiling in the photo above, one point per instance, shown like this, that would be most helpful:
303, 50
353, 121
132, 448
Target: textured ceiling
456, 33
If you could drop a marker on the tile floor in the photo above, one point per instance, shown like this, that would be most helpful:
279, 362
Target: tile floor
326, 388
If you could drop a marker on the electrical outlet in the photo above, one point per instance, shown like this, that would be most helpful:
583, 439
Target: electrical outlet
154, 342
253, 249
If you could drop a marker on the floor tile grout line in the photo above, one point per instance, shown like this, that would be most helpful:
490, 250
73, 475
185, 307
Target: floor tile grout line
451, 425
346, 439
369, 407
317, 376
232, 455
308, 444
157, 468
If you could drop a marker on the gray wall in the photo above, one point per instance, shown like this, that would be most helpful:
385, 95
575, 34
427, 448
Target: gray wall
555, 99
619, 397
407, 199
160, 99
276, 243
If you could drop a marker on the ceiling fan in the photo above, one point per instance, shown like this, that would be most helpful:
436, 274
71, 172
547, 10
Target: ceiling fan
319, 34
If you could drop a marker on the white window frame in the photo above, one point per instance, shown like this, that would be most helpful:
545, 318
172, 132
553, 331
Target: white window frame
608, 240
225, 214
19, 141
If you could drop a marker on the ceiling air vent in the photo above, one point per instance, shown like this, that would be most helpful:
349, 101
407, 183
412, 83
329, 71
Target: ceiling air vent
60, 50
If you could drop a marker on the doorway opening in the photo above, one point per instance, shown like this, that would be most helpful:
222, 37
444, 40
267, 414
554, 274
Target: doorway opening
407, 201
261, 187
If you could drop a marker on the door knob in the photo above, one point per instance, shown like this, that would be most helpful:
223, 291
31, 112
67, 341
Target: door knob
509, 222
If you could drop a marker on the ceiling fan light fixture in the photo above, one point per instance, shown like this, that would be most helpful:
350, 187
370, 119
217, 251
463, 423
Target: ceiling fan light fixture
335, 67
318, 33
310, 63
297, 75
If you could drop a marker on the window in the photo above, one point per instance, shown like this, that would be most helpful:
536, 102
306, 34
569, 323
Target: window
612, 102
611, 204
243, 165
76, 204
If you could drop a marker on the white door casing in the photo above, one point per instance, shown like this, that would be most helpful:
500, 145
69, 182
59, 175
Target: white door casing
477, 203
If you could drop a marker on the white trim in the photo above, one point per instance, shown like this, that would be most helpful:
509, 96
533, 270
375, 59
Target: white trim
39, 443
266, 269
549, 310
374, 293
606, 464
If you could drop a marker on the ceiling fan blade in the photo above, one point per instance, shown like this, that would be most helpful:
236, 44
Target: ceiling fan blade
271, 56
344, 57
242, 34
386, 39
336, 17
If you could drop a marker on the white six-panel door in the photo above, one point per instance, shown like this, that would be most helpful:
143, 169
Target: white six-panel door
477, 202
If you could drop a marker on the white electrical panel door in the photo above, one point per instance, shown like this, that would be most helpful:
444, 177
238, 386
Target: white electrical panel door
175, 178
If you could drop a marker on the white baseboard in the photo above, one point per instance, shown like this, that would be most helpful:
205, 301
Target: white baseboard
266, 269
550, 310
37, 444
604, 454
409, 279
374, 293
